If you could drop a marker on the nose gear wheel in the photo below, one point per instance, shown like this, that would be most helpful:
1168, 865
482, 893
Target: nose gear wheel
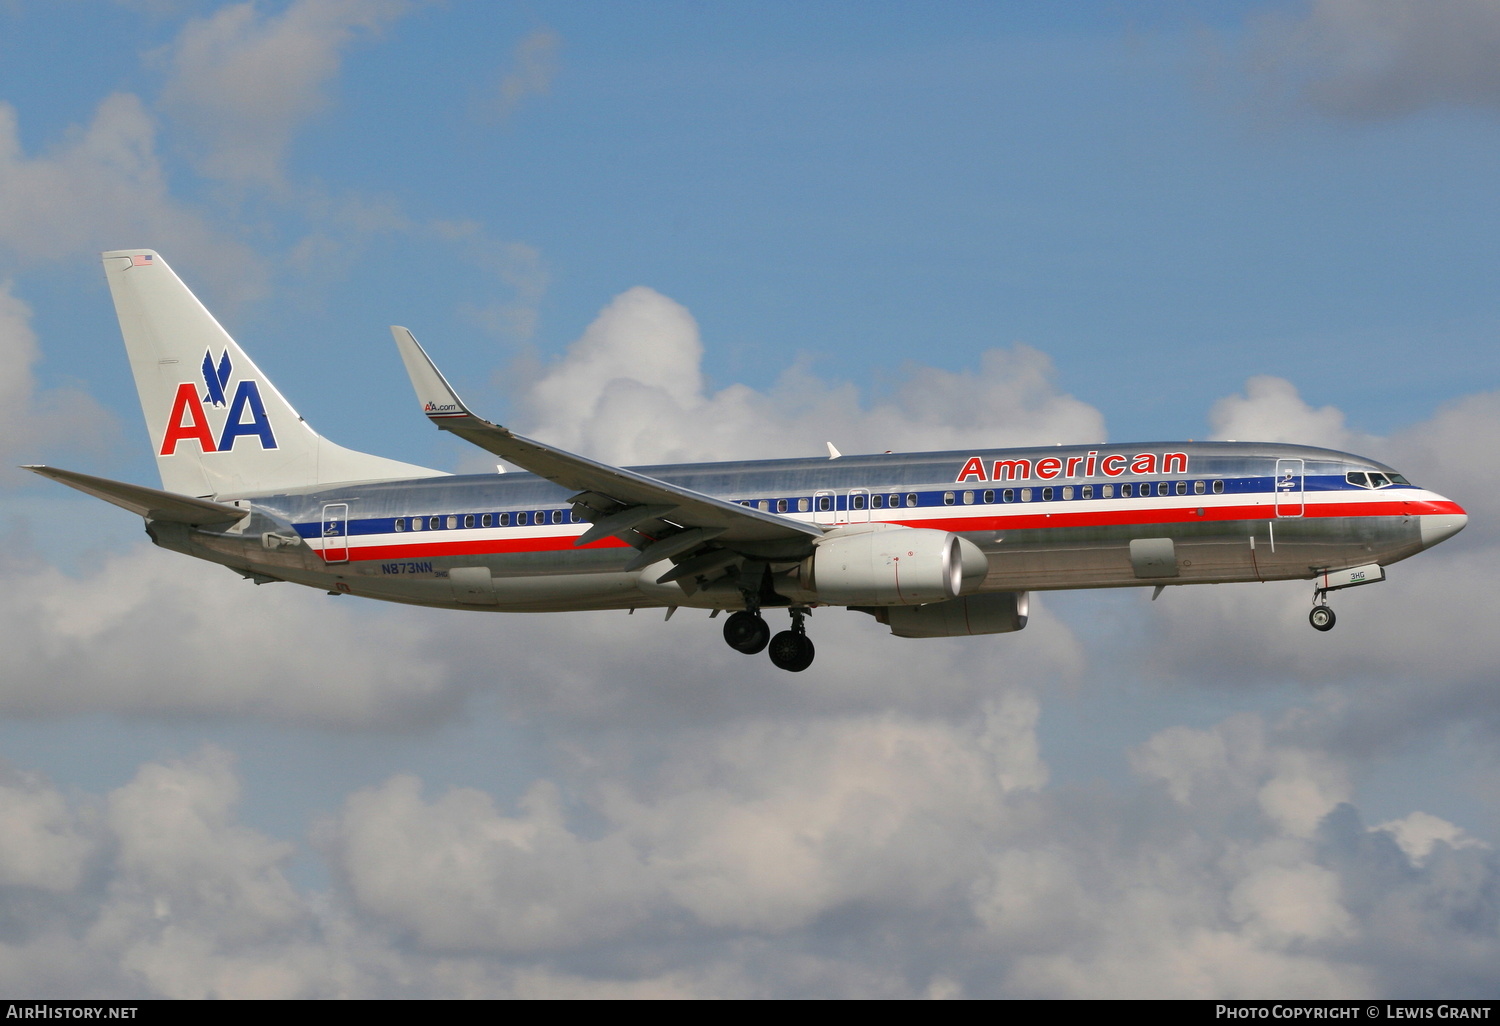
1321, 617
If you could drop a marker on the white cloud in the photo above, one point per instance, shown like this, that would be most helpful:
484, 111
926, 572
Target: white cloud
244, 82
631, 390
36, 422
462, 876
1420, 833
855, 855
1386, 58
150, 631
44, 845
104, 188
533, 66
1271, 410
182, 901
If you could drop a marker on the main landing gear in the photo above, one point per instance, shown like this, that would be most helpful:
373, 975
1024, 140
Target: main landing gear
747, 632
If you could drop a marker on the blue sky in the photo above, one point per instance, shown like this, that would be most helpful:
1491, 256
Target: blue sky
657, 231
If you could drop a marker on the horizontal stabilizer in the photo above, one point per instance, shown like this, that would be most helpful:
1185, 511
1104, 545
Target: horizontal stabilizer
151, 503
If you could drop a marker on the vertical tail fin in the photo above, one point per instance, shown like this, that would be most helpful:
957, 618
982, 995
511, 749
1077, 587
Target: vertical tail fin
218, 426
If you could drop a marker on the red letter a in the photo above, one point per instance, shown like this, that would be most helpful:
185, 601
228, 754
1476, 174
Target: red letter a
187, 406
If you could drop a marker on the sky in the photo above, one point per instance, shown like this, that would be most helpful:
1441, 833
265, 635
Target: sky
678, 231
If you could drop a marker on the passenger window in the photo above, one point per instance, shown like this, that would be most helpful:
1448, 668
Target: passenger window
469, 520
1025, 494
1218, 487
1009, 495
1181, 487
947, 498
877, 502
1047, 494
488, 520
857, 501
417, 523
968, 498
825, 503
1125, 490
764, 505
781, 506
1165, 488
1199, 488
803, 505
989, 496
522, 519
504, 519
435, 523
1088, 491
1067, 491
557, 516
573, 517
1107, 491
400, 524
911, 498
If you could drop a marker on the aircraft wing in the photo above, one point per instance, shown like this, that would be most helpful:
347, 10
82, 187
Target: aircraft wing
620, 502
151, 503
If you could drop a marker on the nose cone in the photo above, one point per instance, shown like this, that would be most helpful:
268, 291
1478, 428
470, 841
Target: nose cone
1438, 527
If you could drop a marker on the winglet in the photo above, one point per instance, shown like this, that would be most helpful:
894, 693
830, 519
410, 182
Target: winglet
437, 397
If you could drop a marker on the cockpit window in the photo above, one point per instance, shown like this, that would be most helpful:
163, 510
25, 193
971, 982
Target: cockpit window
1374, 479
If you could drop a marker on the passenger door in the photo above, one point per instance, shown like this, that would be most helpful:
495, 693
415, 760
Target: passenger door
336, 532
1288, 485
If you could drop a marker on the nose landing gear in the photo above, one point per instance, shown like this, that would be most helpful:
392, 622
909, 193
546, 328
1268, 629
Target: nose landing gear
1321, 617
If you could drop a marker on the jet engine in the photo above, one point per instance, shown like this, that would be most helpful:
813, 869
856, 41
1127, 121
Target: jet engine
881, 565
997, 612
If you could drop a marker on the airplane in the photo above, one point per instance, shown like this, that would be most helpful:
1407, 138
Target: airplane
932, 545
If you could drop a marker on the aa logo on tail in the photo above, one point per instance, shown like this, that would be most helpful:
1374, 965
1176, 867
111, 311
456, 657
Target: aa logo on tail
188, 420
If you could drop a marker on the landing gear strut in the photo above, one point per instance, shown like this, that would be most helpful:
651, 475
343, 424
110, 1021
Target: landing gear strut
793, 649
1321, 617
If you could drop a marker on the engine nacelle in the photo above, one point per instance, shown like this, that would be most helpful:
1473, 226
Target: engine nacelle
994, 613
886, 566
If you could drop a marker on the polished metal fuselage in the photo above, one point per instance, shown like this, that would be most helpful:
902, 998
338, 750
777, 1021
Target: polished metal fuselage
1225, 512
